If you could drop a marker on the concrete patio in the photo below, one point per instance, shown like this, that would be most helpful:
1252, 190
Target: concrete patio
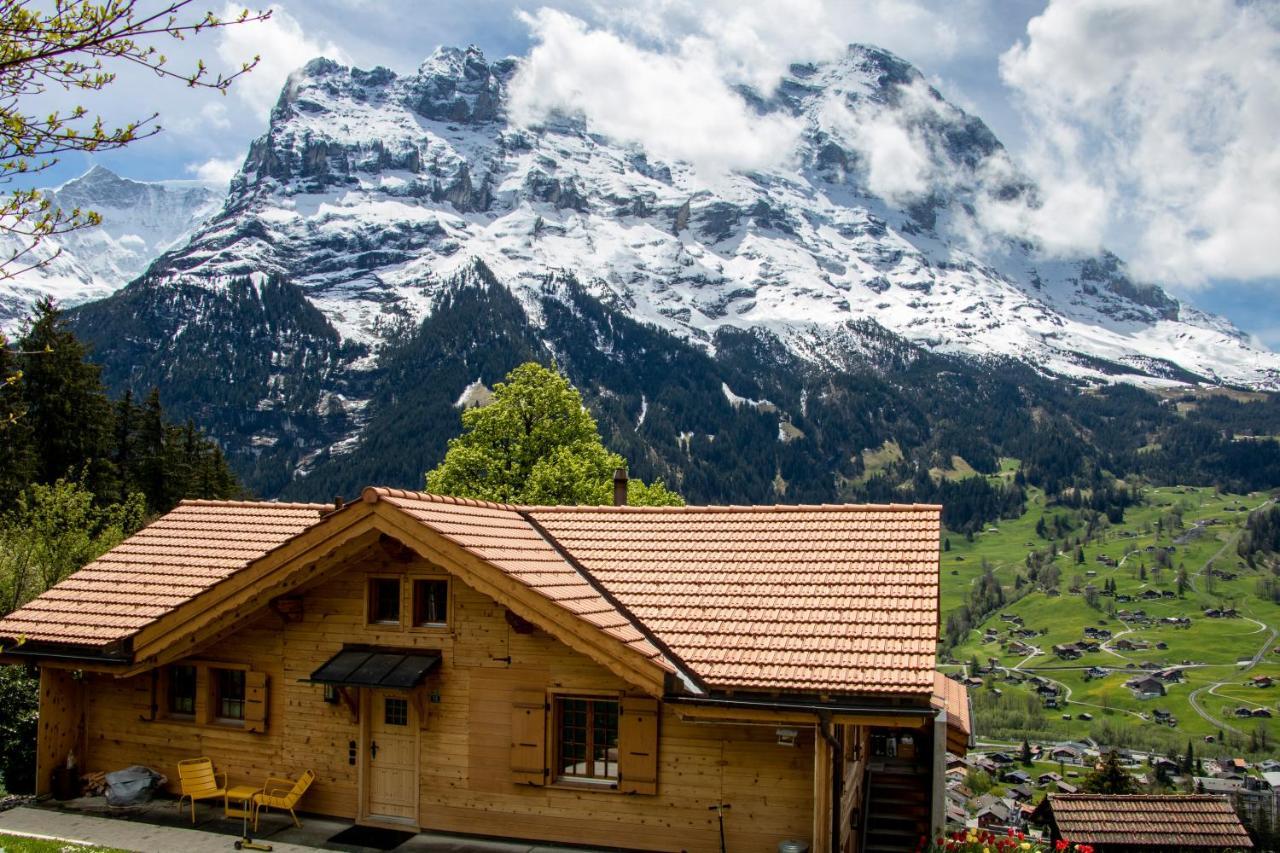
158, 827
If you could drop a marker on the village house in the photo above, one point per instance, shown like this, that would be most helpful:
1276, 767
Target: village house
597, 675
1145, 687
1067, 651
1112, 823
1066, 755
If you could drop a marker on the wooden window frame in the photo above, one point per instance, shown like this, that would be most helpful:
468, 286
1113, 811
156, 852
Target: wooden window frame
166, 685
215, 698
430, 627
386, 625
555, 725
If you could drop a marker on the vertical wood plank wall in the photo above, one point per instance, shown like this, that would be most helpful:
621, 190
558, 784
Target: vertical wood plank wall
61, 723
466, 779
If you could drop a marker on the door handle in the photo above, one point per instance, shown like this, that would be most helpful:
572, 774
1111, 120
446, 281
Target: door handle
373, 749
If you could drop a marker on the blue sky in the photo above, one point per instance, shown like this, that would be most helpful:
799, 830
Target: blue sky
1149, 125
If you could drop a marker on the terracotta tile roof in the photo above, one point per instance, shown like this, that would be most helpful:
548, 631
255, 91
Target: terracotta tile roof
826, 599
953, 697
500, 535
1147, 820
837, 599
161, 566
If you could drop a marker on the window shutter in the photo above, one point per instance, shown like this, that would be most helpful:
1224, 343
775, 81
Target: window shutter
255, 701
144, 694
529, 737
638, 746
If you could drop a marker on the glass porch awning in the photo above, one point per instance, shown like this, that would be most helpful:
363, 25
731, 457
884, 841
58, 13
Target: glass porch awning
387, 668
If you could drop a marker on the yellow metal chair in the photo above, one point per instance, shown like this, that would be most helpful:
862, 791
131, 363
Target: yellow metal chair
281, 794
198, 781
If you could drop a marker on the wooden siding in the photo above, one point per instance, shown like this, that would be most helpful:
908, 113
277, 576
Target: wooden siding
465, 710
61, 723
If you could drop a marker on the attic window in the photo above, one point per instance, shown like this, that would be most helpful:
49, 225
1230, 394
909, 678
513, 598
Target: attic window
384, 601
430, 603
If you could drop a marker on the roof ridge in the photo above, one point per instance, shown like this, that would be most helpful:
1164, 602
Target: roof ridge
244, 503
733, 508
1160, 797
371, 494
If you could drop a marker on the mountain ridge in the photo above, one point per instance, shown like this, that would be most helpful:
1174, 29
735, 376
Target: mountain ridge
140, 220
373, 197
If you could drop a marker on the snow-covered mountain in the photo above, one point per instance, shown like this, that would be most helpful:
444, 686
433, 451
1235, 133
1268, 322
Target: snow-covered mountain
140, 221
371, 189
318, 310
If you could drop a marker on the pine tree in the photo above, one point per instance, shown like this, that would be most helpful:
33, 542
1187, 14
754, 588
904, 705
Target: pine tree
1109, 777
124, 440
1026, 753
151, 451
67, 410
17, 453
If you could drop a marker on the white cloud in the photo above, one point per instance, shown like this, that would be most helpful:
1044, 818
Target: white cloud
661, 73
283, 46
215, 170
1155, 127
677, 105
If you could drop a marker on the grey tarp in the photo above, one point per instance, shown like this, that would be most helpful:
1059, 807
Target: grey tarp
132, 785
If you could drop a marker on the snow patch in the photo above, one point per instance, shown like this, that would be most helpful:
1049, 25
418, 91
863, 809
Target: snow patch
475, 394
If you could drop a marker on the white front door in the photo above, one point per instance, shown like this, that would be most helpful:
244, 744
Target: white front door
391, 757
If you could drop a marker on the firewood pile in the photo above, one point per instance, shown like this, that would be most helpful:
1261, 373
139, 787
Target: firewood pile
95, 784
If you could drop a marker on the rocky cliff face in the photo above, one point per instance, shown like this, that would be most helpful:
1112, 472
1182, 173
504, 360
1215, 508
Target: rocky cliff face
373, 198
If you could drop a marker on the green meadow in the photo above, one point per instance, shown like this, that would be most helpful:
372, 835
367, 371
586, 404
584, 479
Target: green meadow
1215, 656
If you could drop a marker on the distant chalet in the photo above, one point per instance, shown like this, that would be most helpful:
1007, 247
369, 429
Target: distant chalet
1144, 822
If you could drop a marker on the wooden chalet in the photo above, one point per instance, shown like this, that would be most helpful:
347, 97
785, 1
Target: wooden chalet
1136, 823
599, 675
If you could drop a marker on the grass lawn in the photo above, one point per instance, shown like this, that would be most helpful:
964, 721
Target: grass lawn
21, 844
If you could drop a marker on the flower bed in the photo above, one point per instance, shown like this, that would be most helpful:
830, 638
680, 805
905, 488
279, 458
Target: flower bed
985, 841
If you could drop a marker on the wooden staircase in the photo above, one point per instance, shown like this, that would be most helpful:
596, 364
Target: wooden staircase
897, 807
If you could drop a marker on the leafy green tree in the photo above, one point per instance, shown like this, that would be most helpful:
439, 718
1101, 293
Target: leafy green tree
53, 531
1110, 778
68, 45
536, 443
19, 713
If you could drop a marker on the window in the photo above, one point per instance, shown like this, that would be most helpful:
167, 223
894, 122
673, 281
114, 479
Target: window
228, 693
182, 691
384, 601
587, 746
395, 712
430, 602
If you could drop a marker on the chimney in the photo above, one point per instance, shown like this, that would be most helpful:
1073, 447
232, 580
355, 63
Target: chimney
620, 487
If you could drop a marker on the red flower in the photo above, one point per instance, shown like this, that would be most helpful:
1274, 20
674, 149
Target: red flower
1061, 844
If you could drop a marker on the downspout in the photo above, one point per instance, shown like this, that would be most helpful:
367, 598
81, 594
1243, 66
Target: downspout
837, 777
